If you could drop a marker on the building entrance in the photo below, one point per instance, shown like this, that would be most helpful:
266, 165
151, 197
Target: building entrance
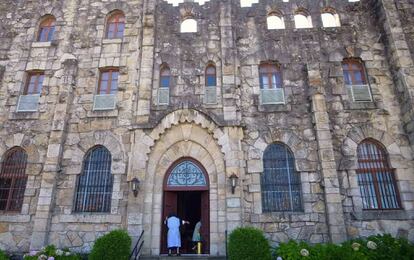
189, 202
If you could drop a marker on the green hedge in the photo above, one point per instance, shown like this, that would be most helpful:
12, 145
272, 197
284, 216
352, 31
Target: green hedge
379, 247
248, 243
3, 256
114, 245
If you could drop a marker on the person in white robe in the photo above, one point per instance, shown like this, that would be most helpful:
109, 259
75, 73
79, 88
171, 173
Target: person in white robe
173, 236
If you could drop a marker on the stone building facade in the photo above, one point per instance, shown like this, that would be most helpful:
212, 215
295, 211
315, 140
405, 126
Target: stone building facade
318, 121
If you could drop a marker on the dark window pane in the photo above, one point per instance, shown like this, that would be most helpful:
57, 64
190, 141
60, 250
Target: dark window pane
375, 178
94, 186
280, 182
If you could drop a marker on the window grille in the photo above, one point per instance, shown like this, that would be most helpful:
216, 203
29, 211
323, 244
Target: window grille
271, 85
376, 179
104, 102
272, 96
13, 180
94, 186
210, 95
280, 182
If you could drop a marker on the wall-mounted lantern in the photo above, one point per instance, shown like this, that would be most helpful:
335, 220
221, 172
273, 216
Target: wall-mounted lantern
135, 186
233, 181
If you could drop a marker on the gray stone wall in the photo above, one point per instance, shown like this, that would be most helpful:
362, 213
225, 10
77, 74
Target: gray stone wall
319, 122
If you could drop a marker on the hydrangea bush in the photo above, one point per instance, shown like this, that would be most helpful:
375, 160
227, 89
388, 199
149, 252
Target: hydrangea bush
51, 253
379, 247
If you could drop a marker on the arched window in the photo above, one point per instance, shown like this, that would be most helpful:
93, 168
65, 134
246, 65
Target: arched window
210, 94
13, 180
115, 26
302, 20
46, 29
280, 182
330, 18
94, 185
188, 26
356, 80
275, 22
165, 84
211, 77
376, 179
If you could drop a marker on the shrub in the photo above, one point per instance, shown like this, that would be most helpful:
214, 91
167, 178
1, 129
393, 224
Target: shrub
378, 247
3, 256
248, 243
51, 252
114, 245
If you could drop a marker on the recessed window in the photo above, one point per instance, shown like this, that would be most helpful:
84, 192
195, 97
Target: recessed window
376, 179
275, 22
115, 26
13, 180
34, 83
280, 182
356, 81
189, 26
108, 83
271, 86
330, 19
165, 84
211, 79
303, 20
94, 185
46, 29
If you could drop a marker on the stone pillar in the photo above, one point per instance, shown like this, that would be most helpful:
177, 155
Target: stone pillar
147, 62
333, 203
229, 64
51, 168
399, 58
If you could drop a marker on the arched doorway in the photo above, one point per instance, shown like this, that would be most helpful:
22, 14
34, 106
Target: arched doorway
186, 193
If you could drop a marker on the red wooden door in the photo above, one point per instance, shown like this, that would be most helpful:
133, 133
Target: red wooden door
205, 222
170, 206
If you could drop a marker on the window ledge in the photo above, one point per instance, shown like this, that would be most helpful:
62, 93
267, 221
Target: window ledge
360, 105
14, 217
383, 215
41, 44
90, 217
24, 116
112, 41
275, 108
103, 113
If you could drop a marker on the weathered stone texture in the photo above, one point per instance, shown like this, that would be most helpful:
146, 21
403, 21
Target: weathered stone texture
319, 122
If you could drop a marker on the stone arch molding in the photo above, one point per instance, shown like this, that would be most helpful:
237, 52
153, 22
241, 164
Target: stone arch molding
359, 133
34, 166
145, 142
105, 138
287, 137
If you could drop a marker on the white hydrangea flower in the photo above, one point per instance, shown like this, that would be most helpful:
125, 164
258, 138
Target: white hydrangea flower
59, 252
304, 252
279, 258
42, 257
67, 254
355, 246
372, 245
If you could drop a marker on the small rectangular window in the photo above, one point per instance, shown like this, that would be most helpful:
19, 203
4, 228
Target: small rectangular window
108, 83
34, 83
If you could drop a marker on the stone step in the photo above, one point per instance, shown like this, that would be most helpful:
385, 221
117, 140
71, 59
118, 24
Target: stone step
183, 257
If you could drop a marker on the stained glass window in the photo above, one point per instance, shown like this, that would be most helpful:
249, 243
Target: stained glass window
186, 173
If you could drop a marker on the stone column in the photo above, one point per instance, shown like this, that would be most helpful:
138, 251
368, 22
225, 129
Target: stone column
229, 64
147, 62
66, 78
51, 168
399, 58
333, 202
